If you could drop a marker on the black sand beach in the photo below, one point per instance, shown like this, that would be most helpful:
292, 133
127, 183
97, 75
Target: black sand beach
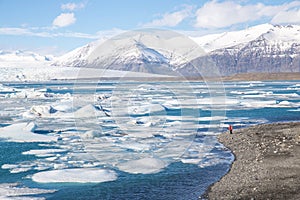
266, 166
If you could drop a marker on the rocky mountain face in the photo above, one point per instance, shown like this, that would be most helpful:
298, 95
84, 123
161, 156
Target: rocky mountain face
263, 48
277, 50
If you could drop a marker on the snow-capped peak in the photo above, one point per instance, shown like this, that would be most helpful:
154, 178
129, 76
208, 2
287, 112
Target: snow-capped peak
273, 34
138, 52
278, 33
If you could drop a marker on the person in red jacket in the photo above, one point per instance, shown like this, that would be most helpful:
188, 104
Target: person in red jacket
230, 129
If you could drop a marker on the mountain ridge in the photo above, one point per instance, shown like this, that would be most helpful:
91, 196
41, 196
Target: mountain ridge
264, 48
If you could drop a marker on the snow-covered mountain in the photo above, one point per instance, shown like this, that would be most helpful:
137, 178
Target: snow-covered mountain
150, 52
262, 48
229, 39
131, 55
23, 56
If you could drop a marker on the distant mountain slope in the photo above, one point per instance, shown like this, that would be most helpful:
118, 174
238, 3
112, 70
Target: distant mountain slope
22, 56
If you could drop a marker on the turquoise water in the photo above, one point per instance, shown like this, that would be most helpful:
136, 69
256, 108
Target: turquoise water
172, 122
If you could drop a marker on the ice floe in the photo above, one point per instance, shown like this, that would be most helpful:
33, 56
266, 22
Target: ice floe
77, 175
90, 134
44, 152
11, 191
143, 166
88, 111
40, 111
24, 132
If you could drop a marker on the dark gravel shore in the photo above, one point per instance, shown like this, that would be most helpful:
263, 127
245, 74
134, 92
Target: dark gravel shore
266, 166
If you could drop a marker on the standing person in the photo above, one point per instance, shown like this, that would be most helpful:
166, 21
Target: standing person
230, 129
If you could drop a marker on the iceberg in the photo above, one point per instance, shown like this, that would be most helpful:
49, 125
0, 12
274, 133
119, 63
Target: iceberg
88, 111
76, 175
143, 166
24, 132
40, 111
17, 191
44, 152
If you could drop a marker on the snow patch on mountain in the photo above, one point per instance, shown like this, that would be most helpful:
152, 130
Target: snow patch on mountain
228, 39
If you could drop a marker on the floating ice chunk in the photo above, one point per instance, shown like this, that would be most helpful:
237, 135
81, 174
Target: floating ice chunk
253, 96
174, 123
64, 106
284, 103
15, 191
146, 121
20, 170
91, 134
51, 158
145, 109
135, 146
9, 166
295, 110
88, 111
213, 118
258, 104
290, 95
43, 152
173, 118
29, 93
191, 160
7, 89
77, 175
23, 132
172, 104
143, 166
102, 97
29, 127
139, 132
246, 92
22, 167
41, 111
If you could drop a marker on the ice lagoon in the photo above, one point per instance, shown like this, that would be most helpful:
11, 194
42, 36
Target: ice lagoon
127, 140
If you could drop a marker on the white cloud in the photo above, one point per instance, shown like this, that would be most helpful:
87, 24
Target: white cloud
72, 6
215, 14
34, 31
171, 19
64, 19
22, 31
14, 31
285, 17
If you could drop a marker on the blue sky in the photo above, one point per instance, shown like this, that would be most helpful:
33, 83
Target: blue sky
55, 27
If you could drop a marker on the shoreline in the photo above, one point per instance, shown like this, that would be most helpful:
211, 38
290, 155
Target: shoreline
242, 77
266, 164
